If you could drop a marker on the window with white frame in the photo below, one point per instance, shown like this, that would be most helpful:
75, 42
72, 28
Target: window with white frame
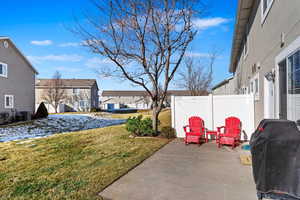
245, 47
246, 90
246, 42
3, 69
83, 103
265, 8
76, 90
293, 86
254, 86
242, 90
8, 101
251, 87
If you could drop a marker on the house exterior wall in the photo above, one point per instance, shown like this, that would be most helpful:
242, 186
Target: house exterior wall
264, 44
138, 102
72, 101
94, 96
20, 81
226, 89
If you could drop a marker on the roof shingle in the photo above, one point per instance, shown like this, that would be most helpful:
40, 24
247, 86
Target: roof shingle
68, 82
110, 93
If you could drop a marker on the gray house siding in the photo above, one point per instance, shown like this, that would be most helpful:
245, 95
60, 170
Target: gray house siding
264, 44
226, 87
19, 82
94, 97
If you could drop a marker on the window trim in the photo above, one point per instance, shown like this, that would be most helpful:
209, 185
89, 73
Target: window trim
246, 50
5, 70
12, 101
287, 65
265, 14
76, 91
246, 41
244, 90
85, 103
282, 55
253, 87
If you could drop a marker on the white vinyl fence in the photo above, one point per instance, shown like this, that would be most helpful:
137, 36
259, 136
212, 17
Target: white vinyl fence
50, 108
213, 110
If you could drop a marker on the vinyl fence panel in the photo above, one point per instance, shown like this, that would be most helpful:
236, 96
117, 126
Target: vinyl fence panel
213, 110
241, 106
185, 107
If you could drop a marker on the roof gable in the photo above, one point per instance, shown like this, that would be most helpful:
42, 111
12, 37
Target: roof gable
19, 52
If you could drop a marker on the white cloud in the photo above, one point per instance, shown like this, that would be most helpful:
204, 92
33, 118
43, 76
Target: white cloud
70, 44
67, 69
203, 24
83, 43
51, 57
91, 41
42, 42
96, 62
196, 54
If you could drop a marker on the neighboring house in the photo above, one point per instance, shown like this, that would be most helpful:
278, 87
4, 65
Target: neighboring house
225, 87
81, 94
137, 99
265, 56
17, 77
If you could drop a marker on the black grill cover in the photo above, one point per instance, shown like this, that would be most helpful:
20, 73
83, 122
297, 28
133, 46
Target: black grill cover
275, 149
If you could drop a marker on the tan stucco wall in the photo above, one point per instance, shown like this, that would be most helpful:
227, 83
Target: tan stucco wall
89, 94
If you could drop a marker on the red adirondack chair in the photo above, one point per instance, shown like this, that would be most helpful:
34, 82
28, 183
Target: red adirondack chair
196, 130
232, 132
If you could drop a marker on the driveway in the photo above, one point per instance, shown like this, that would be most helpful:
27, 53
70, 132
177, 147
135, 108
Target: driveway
179, 172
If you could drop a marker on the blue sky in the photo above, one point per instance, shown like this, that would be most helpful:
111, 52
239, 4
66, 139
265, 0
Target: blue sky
39, 30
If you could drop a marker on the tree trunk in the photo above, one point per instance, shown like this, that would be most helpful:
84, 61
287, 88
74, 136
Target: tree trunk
55, 108
155, 122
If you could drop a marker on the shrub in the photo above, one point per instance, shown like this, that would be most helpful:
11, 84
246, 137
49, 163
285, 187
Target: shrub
95, 110
168, 132
139, 126
41, 112
125, 110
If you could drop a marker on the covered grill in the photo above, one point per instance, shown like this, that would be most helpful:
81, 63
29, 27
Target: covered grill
275, 149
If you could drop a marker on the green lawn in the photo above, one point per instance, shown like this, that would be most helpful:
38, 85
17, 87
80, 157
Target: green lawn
73, 165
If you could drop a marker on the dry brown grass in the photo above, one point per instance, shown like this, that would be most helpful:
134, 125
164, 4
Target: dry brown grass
74, 165
164, 117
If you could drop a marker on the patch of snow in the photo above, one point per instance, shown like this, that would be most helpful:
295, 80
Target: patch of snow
55, 124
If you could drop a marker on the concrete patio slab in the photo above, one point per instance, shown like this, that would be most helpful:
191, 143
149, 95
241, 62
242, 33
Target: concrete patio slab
190, 172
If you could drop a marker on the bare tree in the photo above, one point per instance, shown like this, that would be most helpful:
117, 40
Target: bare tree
54, 94
145, 40
78, 99
145, 99
197, 76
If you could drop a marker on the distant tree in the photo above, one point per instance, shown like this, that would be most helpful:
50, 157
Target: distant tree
197, 76
54, 93
81, 96
145, 40
41, 112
